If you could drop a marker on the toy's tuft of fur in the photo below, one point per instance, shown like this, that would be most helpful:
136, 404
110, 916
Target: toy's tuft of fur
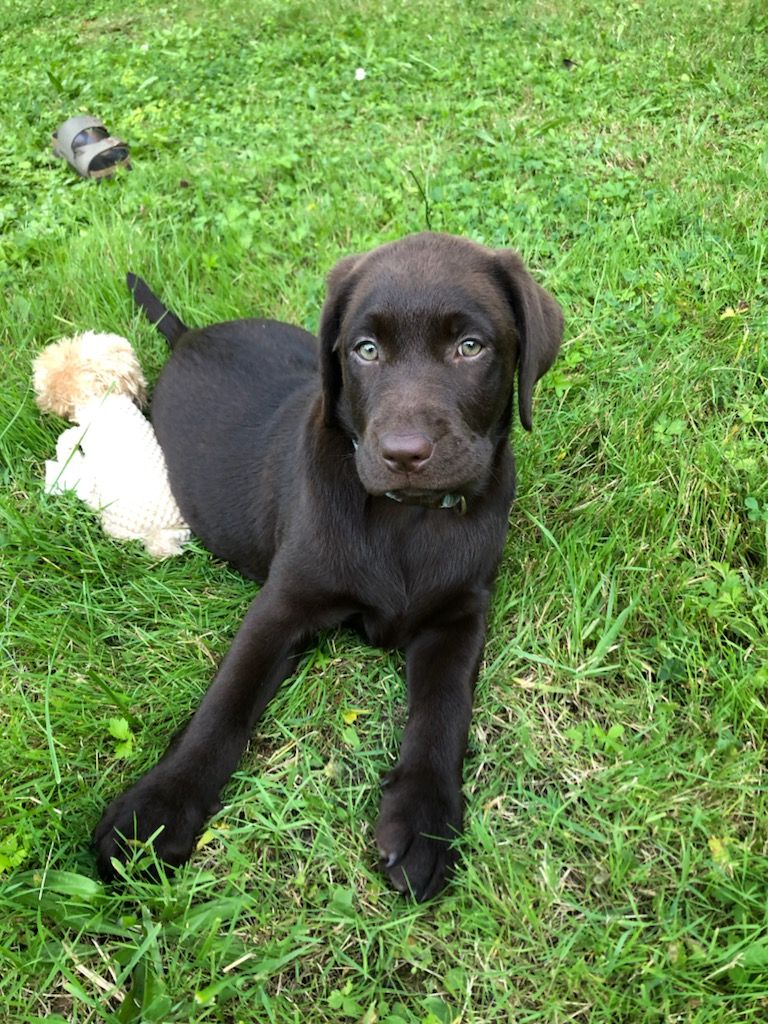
72, 371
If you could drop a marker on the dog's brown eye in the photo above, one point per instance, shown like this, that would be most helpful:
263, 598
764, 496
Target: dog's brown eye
367, 350
470, 347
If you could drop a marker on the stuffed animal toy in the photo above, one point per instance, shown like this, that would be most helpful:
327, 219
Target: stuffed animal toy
111, 459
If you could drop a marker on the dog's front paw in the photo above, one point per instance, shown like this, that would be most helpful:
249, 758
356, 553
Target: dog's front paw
419, 820
155, 804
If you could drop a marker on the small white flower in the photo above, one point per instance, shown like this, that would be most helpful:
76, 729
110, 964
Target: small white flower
359, 74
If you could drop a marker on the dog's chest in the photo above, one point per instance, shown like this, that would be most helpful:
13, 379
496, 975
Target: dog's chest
420, 574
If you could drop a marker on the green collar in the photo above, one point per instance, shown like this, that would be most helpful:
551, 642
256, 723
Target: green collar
457, 501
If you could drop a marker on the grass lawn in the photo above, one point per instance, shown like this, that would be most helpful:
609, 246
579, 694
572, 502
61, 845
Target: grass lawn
615, 863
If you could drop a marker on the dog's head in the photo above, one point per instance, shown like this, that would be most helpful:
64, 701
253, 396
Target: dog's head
420, 343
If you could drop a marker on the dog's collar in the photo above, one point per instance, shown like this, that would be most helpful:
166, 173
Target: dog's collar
457, 501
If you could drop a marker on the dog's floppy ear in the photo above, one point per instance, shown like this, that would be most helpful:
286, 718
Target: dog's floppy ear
338, 287
539, 322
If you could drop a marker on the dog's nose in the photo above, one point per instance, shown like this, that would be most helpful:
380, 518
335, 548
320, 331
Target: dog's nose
405, 453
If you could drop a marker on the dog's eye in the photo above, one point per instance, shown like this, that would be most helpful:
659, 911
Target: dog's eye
367, 350
470, 347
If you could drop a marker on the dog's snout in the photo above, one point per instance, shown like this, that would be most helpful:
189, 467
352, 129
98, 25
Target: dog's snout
405, 453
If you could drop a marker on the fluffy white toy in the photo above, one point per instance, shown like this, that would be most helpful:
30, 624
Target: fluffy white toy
111, 459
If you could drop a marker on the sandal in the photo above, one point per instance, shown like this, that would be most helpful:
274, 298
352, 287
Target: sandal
87, 146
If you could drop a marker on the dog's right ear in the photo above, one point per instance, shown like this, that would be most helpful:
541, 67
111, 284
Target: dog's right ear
338, 288
539, 326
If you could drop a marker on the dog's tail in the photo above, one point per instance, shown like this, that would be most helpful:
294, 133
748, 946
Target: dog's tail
164, 320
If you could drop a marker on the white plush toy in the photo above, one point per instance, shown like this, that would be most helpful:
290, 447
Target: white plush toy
111, 459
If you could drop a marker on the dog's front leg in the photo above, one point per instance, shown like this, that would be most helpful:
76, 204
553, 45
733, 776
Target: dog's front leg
182, 790
422, 805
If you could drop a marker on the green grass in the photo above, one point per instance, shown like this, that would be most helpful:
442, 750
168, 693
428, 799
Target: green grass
615, 864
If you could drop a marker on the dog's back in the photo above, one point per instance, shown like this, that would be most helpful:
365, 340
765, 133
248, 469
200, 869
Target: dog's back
226, 409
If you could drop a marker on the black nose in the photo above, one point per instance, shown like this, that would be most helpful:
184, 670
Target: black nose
405, 453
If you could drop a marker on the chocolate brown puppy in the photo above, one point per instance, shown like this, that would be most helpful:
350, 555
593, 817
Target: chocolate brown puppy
365, 480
